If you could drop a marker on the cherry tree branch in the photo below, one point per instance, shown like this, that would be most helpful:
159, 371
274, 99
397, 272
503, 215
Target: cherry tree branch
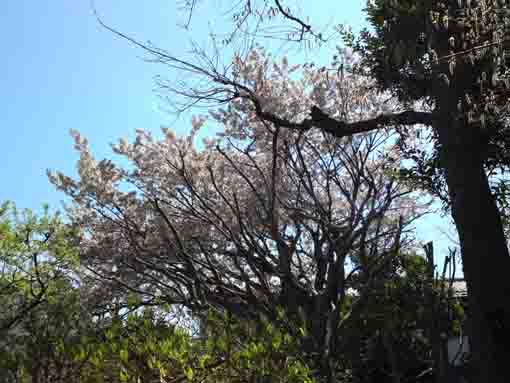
322, 121
233, 89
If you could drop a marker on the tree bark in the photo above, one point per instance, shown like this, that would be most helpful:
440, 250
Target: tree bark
485, 256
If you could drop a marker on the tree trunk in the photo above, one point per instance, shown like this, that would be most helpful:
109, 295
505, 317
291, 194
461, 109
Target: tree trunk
485, 256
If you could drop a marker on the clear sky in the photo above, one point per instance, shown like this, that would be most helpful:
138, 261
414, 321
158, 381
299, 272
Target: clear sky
62, 71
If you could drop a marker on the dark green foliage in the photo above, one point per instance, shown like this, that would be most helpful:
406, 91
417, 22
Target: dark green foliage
419, 49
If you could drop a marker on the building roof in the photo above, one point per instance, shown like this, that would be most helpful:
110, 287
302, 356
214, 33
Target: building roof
459, 288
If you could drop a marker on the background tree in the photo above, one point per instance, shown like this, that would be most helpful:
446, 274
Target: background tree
34, 257
452, 56
42, 316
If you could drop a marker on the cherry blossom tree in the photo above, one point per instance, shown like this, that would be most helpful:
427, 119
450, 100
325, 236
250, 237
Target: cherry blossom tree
446, 61
260, 219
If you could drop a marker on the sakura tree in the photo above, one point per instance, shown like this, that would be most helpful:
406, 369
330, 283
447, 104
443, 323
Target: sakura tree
446, 61
259, 219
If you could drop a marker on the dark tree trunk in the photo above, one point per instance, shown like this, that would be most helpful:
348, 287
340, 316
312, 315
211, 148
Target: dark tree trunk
485, 254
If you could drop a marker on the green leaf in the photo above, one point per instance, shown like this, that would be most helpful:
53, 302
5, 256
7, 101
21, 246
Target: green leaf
124, 376
277, 341
124, 355
189, 373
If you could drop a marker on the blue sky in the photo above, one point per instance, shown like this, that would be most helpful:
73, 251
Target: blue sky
62, 71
